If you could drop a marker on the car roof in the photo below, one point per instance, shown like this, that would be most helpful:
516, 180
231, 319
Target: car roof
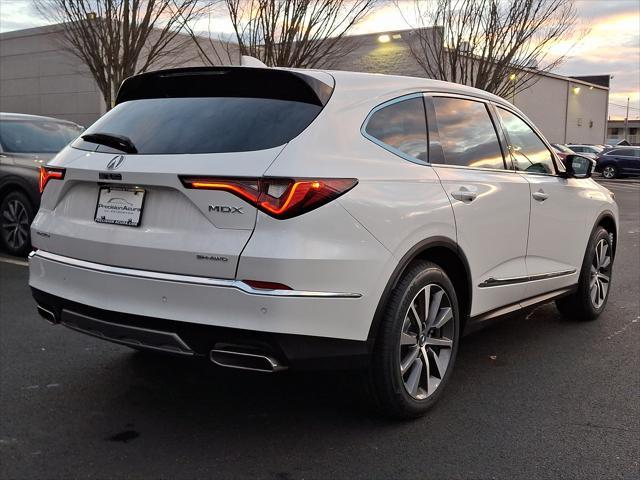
361, 86
25, 116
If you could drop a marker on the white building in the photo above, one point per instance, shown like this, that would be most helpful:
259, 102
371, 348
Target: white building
38, 76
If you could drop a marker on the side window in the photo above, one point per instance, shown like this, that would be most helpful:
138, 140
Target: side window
467, 134
529, 153
402, 126
625, 152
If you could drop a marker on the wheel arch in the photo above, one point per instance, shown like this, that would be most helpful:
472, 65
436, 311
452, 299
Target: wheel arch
14, 184
445, 253
607, 221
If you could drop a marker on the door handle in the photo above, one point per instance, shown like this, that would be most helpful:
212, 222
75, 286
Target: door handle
540, 196
464, 195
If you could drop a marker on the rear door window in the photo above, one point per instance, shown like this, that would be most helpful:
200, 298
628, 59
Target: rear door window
37, 136
623, 152
528, 151
401, 128
467, 134
204, 125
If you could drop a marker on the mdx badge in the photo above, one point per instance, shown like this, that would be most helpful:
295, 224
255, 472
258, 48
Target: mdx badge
225, 209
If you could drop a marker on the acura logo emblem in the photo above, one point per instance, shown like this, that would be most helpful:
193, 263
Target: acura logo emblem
115, 162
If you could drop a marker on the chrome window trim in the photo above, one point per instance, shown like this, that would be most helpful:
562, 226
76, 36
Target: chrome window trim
178, 278
466, 167
497, 282
389, 148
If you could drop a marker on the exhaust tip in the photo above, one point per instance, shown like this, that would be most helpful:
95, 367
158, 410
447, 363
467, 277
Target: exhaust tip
246, 361
48, 315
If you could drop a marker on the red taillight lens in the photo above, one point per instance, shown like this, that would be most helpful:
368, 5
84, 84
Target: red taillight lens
49, 173
279, 197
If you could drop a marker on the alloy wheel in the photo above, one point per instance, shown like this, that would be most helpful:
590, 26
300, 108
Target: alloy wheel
426, 341
15, 224
600, 274
609, 172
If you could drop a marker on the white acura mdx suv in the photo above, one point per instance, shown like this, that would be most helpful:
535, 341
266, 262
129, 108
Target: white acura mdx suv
268, 219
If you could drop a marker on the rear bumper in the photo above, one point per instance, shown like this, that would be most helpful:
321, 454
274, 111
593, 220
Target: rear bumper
210, 308
293, 351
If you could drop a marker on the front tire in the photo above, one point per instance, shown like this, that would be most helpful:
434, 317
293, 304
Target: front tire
16, 215
417, 342
590, 299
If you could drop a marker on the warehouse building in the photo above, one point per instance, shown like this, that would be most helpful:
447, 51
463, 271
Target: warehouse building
38, 76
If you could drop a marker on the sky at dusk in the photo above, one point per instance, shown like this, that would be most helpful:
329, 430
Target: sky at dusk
611, 47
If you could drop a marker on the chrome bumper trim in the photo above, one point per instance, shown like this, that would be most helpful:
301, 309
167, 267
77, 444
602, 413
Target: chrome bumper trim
171, 277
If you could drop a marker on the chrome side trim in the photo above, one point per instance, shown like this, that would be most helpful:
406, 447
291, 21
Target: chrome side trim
171, 277
496, 282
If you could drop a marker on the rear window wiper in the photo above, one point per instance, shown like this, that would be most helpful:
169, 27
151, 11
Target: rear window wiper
119, 142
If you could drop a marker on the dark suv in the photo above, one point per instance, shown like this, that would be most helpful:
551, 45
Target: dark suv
619, 161
26, 143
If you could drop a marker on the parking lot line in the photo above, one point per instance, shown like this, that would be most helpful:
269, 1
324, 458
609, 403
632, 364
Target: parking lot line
13, 261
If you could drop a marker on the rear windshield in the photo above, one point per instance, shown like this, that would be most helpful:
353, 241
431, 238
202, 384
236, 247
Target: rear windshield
204, 124
26, 136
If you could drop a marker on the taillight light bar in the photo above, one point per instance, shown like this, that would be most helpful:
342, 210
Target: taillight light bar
278, 197
49, 173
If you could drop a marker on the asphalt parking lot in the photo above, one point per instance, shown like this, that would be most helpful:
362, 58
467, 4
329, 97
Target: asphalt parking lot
532, 397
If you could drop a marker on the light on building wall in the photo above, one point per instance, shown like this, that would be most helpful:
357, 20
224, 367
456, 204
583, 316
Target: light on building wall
512, 77
576, 90
384, 38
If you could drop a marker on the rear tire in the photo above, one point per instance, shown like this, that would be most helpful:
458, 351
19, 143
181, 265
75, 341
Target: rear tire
610, 172
16, 215
590, 299
416, 347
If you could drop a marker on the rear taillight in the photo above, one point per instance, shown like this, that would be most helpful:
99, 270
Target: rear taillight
49, 173
279, 197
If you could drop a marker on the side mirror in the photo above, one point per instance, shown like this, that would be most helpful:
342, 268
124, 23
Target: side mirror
579, 166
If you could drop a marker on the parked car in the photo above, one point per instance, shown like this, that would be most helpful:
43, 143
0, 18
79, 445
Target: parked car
562, 151
267, 219
619, 161
26, 143
589, 151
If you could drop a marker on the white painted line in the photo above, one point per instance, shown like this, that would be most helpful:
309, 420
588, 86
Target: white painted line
14, 261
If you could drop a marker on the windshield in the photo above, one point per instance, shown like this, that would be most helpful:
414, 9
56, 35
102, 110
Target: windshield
201, 124
36, 136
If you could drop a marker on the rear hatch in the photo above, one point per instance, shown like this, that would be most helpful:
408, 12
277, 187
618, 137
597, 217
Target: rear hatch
121, 201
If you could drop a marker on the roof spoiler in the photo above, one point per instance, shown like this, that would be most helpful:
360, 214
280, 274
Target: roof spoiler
252, 82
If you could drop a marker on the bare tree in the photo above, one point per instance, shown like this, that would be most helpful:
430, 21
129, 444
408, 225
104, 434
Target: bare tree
496, 45
119, 38
291, 33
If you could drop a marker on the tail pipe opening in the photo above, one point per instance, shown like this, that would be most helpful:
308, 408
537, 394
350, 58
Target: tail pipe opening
48, 315
257, 362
